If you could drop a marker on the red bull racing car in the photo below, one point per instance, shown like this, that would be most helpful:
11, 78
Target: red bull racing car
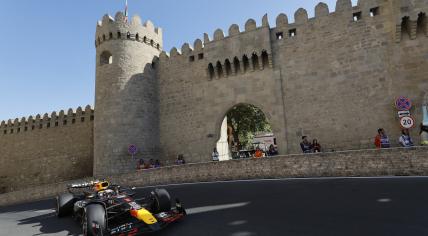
104, 209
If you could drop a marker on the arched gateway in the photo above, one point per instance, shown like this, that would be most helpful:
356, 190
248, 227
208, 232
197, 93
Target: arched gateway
244, 129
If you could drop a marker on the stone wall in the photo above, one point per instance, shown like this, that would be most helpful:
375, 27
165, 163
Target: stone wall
46, 150
329, 77
391, 162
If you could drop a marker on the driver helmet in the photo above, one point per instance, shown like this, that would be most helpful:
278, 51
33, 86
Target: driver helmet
101, 186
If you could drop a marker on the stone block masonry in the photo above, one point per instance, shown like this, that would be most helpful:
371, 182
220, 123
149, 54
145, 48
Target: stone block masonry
390, 162
44, 150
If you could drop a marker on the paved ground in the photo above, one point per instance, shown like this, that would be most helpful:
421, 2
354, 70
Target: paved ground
397, 206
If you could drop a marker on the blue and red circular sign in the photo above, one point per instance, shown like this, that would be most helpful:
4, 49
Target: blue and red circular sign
132, 149
403, 104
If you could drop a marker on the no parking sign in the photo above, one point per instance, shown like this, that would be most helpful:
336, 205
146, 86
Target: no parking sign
132, 150
403, 104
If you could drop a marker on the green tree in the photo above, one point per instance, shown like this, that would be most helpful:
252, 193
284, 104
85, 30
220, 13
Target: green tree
246, 120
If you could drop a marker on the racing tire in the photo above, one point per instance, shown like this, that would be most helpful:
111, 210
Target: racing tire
162, 201
64, 204
94, 214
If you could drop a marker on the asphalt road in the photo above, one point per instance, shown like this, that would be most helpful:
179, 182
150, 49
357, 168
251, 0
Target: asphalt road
388, 206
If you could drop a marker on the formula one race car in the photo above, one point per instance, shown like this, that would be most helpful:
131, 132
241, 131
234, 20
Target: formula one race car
104, 209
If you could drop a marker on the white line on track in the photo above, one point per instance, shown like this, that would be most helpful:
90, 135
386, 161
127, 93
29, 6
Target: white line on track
204, 209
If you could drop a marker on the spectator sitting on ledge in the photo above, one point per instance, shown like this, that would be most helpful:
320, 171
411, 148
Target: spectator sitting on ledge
316, 147
382, 140
157, 164
180, 160
215, 155
152, 163
405, 140
258, 153
272, 150
306, 145
140, 164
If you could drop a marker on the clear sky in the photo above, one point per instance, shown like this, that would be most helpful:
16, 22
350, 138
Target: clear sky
47, 53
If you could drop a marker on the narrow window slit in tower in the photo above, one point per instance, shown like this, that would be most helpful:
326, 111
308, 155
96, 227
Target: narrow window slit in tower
106, 58
356, 16
219, 69
73, 121
92, 117
200, 56
265, 59
245, 62
56, 124
211, 72
279, 35
405, 27
119, 35
65, 122
19, 130
374, 11
292, 33
192, 58
158, 46
237, 65
11, 131
32, 127
421, 24
228, 67
48, 125
152, 42
110, 35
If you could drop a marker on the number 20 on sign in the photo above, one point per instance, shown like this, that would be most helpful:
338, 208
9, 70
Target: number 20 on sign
407, 122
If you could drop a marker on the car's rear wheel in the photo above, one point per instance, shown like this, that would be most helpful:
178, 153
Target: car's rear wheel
162, 201
64, 204
94, 220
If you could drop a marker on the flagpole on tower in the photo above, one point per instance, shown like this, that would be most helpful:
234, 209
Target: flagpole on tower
126, 10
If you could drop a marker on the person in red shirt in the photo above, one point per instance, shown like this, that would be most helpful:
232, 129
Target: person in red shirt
382, 140
258, 154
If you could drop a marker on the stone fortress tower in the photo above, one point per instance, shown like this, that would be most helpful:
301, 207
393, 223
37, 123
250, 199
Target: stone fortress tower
126, 92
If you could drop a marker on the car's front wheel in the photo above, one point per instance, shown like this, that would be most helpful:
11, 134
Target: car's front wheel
94, 220
162, 201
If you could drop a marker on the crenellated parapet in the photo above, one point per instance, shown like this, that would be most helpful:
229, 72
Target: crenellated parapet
237, 52
120, 28
47, 121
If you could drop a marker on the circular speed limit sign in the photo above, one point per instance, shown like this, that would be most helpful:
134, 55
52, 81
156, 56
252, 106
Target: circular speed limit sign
407, 122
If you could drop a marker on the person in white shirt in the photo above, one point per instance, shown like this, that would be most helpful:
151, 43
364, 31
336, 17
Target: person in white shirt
405, 140
215, 155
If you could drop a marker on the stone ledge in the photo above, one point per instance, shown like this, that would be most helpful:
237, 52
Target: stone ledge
367, 163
